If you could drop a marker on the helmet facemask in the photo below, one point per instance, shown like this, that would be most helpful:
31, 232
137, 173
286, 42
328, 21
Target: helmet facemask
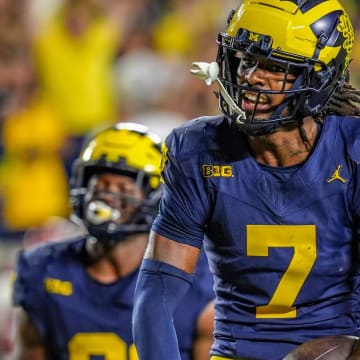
131, 151
310, 40
240, 59
112, 216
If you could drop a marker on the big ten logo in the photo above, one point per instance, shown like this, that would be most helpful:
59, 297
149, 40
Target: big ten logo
217, 171
57, 286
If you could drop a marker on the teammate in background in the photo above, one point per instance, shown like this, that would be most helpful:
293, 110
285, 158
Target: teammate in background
76, 296
271, 189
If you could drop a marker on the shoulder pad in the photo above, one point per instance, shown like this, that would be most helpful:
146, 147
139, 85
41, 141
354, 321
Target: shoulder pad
350, 128
198, 134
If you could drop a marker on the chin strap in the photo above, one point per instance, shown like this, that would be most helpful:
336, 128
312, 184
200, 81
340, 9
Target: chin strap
209, 73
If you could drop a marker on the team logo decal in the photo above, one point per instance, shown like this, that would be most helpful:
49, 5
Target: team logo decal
346, 29
336, 176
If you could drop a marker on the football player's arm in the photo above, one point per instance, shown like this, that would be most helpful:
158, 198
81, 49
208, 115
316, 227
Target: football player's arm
165, 276
204, 333
29, 344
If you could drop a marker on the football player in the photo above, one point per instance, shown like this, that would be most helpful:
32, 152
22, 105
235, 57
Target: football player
76, 295
270, 188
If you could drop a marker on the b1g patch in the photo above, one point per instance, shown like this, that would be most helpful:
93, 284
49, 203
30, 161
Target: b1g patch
216, 171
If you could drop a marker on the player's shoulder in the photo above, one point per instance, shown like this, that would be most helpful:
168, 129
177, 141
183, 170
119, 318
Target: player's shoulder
203, 123
198, 132
206, 135
349, 134
36, 258
38, 262
347, 124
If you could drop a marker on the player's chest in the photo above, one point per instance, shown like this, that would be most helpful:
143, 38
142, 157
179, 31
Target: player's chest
81, 304
244, 188
256, 215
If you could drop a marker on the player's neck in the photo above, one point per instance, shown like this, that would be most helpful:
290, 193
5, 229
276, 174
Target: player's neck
284, 147
123, 259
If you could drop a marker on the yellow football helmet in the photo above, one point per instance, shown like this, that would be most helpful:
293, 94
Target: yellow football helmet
311, 39
127, 149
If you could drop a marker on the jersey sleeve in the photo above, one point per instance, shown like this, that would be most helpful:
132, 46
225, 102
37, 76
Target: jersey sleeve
28, 287
184, 206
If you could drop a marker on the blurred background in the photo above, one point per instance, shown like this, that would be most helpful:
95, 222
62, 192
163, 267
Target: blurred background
71, 67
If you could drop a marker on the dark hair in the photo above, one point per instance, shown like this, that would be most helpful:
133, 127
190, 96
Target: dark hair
345, 101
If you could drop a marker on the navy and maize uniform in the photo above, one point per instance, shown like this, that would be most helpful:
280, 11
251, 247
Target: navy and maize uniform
79, 317
281, 242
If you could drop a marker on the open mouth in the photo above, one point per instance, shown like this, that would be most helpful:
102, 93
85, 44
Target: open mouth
250, 99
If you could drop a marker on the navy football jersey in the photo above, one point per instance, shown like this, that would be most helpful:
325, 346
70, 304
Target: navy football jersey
80, 318
281, 242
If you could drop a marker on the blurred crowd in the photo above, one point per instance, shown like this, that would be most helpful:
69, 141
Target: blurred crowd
70, 67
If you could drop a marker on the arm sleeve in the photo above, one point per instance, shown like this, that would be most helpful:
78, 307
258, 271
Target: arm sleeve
159, 290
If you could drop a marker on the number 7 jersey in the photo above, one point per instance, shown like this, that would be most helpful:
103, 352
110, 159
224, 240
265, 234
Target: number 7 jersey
281, 242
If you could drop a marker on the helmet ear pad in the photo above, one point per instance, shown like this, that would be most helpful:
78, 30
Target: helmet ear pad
327, 84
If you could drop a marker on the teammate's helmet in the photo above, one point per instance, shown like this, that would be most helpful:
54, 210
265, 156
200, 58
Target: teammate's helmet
126, 149
312, 39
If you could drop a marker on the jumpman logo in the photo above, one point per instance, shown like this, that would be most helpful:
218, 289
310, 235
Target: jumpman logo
336, 175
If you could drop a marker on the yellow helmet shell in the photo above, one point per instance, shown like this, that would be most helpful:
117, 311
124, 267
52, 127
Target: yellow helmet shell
127, 147
296, 29
312, 39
